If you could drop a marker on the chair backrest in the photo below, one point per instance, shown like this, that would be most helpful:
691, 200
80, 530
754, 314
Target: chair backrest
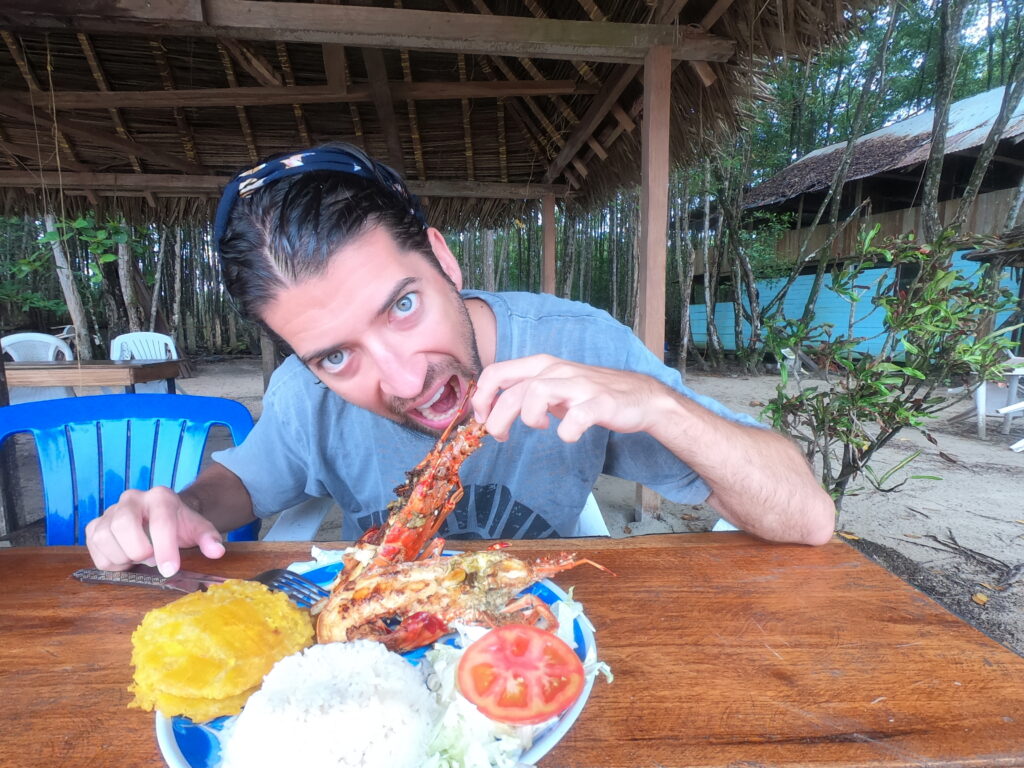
91, 449
36, 346
143, 345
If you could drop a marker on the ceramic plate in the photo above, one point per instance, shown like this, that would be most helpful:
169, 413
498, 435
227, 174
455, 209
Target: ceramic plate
185, 744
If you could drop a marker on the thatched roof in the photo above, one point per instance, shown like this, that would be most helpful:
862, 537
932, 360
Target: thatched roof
902, 145
479, 102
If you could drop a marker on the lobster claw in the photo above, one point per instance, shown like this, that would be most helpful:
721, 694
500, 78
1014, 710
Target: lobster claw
416, 630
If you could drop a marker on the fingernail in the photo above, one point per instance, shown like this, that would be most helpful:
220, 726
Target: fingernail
167, 569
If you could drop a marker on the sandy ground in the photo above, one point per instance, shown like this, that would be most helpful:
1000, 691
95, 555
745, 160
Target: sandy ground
956, 538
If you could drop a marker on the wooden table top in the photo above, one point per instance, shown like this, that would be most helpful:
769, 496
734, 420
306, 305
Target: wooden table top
727, 651
89, 373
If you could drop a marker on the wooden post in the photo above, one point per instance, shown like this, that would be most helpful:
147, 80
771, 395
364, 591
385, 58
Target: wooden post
268, 354
650, 318
547, 279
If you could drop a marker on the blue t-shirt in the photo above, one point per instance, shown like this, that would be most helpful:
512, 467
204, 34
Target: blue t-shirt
309, 442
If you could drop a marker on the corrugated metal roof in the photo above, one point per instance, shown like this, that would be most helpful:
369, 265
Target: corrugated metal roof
902, 144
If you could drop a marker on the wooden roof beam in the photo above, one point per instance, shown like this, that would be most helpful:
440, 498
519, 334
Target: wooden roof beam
467, 126
104, 138
372, 27
14, 47
609, 96
414, 123
188, 140
257, 66
289, 80
32, 152
377, 74
103, 84
184, 184
243, 116
299, 94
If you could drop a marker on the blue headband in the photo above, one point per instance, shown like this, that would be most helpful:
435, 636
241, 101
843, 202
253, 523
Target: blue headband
328, 158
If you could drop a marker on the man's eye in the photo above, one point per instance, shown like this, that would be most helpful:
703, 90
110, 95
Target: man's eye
334, 361
407, 303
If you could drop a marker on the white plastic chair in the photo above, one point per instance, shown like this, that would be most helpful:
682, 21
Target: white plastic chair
35, 347
991, 398
145, 345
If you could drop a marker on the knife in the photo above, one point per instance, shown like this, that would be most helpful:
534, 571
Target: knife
148, 576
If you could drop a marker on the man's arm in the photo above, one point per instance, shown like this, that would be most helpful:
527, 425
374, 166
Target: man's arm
154, 525
759, 481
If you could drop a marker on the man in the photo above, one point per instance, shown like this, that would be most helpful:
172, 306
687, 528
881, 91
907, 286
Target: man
330, 252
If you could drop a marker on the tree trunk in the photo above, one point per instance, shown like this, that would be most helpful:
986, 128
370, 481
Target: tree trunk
126, 277
72, 298
489, 260
1011, 98
1013, 215
950, 20
154, 306
179, 338
714, 348
684, 257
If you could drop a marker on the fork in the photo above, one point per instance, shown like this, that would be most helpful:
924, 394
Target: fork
302, 591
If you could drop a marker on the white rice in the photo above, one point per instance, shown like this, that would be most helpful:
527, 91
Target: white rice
340, 705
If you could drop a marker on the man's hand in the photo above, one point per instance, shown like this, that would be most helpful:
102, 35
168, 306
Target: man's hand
150, 526
581, 396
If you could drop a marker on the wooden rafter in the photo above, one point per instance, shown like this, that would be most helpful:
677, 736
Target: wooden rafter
243, 117
210, 185
252, 62
374, 27
300, 94
560, 103
41, 117
614, 87
103, 85
410, 109
33, 152
188, 140
467, 125
414, 122
71, 159
340, 82
377, 73
553, 134
289, 80
502, 142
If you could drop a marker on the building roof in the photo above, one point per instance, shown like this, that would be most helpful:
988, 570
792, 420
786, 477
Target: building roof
901, 145
481, 103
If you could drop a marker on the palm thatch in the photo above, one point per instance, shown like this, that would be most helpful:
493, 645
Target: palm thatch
147, 108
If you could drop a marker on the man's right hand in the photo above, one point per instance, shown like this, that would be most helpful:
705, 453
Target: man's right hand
150, 526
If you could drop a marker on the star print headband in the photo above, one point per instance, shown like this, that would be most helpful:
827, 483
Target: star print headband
329, 158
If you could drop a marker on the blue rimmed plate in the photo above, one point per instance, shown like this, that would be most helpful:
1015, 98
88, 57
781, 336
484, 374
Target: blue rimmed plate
185, 744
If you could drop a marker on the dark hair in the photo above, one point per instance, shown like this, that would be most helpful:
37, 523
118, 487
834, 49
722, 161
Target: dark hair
284, 220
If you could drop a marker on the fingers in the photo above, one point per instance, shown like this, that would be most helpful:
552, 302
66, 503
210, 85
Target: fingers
535, 389
502, 376
211, 546
149, 526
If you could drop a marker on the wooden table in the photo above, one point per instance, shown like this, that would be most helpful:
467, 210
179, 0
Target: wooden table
726, 651
92, 373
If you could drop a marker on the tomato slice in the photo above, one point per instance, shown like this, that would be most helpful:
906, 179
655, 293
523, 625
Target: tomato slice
520, 674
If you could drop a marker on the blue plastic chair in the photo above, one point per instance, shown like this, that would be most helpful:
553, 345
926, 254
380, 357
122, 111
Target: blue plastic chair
93, 448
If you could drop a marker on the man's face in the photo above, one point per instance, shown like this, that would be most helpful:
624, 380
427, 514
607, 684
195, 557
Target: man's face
385, 330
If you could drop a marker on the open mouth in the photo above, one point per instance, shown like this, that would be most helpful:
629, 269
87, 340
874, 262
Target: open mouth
441, 407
